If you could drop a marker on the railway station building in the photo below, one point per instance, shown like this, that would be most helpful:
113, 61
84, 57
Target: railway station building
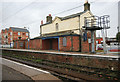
63, 33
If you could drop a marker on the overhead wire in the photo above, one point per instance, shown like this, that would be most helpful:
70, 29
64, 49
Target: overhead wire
18, 11
53, 14
62, 12
71, 9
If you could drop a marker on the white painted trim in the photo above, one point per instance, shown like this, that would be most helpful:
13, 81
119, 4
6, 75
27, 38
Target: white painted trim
67, 53
25, 65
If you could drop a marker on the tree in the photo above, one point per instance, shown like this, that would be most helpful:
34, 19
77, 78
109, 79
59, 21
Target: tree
118, 36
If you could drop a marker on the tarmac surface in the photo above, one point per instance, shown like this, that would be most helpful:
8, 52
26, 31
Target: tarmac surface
11, 74
17, 71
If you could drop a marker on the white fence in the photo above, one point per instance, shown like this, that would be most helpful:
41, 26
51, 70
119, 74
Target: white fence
6, 46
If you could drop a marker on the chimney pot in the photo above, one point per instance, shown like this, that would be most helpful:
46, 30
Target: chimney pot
41, 21
49, 14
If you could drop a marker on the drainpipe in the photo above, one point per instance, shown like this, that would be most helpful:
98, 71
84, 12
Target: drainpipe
58, 44
40, 31
71, 43
28, 36
80, 37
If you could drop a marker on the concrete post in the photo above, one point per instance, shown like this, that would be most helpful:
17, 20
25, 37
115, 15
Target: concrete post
92, 41
104, 42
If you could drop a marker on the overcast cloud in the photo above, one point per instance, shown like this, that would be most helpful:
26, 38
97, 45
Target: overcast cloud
29, 13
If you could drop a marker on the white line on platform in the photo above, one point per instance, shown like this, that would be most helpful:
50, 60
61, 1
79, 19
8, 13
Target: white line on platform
25, 65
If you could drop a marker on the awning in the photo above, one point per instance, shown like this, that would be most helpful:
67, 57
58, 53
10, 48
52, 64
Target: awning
49, 38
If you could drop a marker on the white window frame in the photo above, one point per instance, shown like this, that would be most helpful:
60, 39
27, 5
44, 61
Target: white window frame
11, 38
64, 41
10, 33
57, 26
26, 34
18, 33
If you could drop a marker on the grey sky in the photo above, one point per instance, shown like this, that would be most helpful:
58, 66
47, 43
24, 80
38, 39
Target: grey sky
29, 13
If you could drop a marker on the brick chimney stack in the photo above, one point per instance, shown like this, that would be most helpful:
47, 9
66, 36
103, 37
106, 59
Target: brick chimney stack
86, 6
49, 18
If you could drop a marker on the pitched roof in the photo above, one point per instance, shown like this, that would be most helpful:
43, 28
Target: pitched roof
72, 16
3, 30
7, 29
66, 17
19, 29
56, 34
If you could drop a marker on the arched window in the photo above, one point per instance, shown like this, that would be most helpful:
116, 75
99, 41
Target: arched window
57, 27
64, 41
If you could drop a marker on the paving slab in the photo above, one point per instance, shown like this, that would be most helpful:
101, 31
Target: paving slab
68, 53
34, 73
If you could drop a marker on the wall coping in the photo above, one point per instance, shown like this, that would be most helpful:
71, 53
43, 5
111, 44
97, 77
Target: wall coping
110, 57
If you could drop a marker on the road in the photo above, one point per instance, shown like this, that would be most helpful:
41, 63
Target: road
11, 74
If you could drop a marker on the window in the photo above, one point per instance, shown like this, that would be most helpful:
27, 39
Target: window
6, 37
23, 33
57, 27
10, 33
21, 44
11, 39
64, 41
19, 38
26, 34
18, 33
85, 36
16, 44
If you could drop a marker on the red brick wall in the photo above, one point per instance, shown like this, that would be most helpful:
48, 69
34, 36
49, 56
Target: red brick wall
55, 44
86, 47
15, 44
46, 44
50, 44
68, 46
72, 43
2, 33
14, 35
10, 36
35, 44
40, 44
76, 43
97, 62
18, 46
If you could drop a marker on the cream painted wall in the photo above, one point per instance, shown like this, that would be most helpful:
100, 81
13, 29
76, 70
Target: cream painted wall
69, 24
